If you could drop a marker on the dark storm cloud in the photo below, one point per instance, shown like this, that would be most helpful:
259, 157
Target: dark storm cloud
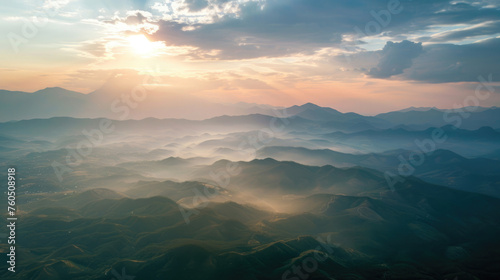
396, 57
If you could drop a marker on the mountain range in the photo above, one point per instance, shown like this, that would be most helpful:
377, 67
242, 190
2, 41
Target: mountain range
442, 167
114, 100
250, 192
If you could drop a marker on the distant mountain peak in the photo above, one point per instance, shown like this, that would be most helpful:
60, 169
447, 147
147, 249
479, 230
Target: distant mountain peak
312, 111
487, 130
418, 109
52, 88
58, 90
310, 105
264, 160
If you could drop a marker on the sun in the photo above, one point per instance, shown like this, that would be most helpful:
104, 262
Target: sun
139, 44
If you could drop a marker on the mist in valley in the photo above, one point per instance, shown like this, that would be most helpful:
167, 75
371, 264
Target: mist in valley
255, 195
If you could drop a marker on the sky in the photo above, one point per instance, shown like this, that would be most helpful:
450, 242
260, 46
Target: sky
367, 56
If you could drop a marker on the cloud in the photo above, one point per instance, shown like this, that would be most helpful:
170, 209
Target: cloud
396, 57
95, 48
278, 29
134, 18
483, 29
196, 5
296, 40
445, 63
134, 21
55, 4
281, 27
435, 63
